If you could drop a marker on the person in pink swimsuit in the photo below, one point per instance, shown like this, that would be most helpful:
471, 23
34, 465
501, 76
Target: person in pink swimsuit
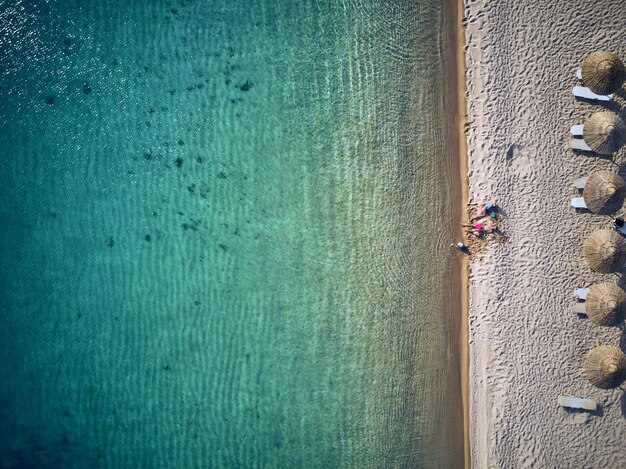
480, 227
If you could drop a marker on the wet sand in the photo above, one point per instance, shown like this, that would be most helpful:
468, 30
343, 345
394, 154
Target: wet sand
455, 92
461, 90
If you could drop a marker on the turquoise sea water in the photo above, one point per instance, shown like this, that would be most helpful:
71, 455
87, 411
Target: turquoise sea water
225, 231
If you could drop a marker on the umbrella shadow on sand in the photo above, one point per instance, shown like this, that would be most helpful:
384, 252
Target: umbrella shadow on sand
622, 337
621, 169
622, 345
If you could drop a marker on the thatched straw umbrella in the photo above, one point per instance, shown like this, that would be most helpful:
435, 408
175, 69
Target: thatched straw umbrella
605, 304
604, 132
603, 72
605, 366
604, 192
604, 250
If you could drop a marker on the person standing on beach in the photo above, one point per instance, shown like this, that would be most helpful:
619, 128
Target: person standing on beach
461, 247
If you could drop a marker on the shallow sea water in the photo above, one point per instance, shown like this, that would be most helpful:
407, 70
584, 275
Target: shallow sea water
225, 231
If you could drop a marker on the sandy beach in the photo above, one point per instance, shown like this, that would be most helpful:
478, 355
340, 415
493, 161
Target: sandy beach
526, 345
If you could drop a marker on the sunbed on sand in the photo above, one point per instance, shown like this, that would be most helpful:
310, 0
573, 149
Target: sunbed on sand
577, 130
579, 74
578, 202
580, 183
586, 93
581, 293
579, 144
577, 403
580, 308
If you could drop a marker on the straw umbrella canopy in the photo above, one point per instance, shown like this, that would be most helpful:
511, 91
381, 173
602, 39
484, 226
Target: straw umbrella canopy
604, 192
604, 132
604, 250
605, 304
605, 366
603, 72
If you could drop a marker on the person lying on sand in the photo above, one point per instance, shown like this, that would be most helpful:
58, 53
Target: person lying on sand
475, 228
480, 227
489, 208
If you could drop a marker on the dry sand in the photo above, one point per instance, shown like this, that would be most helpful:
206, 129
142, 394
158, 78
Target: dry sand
526, 345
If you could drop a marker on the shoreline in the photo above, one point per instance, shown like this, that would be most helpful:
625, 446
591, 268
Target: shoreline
463, 273
456, 88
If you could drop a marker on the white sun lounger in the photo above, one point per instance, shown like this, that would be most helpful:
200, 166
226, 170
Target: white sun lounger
578, 202
579, 74
580, 183
579, 308
577, 130
586, 93
574, 402
579, 144
581, 293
